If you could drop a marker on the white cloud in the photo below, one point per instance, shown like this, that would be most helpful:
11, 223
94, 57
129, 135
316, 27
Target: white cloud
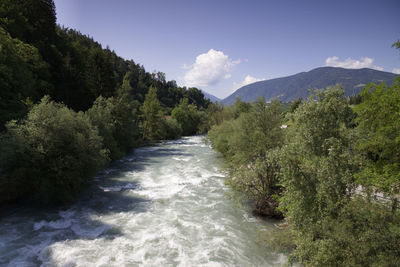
396, 70
209, 69
349, 63
248, 80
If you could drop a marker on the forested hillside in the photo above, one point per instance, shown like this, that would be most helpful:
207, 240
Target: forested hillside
67, 105
40, 58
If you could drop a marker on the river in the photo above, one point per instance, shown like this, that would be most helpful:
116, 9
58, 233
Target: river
164, 205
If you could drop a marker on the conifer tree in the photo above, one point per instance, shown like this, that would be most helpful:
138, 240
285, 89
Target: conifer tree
152, 116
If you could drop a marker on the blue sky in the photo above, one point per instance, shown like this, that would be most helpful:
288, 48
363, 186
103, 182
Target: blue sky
221, 45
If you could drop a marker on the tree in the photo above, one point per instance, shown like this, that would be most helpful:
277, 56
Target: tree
56, 152
21, 67
317, 159
172, 129
240, 107
116, 119
196, 97
295, 105
317, 166
152, 116
126, 114
101, 73
101, 115
379, 139
251, 144
187, 116
31, 21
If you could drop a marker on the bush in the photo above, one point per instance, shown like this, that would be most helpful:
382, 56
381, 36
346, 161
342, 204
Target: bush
364, 234
172, 129
187, 116
115, 121
250, 144
101, 116
50, 155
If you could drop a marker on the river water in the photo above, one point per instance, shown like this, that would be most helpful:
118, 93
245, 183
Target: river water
164, 205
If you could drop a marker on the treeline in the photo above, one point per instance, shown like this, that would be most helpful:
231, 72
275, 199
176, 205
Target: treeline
69, 106
330, 168
39, 58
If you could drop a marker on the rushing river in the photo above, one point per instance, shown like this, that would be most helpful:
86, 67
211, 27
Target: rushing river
164, 205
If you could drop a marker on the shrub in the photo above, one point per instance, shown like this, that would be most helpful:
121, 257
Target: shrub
50, 155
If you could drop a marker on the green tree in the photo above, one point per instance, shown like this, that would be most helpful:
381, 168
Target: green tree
100, 73
219, 136
196, 97
101, 115
20, 68
56, 152
254, 144
295, 105
172, 129
379, 139
126, 114
187, 116
31, 21
240, 107
152, 116
317, 167
316, 161
117, 121
250, 145
216, 114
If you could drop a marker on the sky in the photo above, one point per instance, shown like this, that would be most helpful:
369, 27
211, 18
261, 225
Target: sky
221, 45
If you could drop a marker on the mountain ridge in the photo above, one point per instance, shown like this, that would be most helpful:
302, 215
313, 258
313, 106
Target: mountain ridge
291, 87
211, 97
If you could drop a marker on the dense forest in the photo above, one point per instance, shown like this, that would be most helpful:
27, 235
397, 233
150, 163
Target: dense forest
68, 106
330, 168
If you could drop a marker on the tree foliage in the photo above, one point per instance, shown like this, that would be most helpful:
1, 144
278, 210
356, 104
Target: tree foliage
318, 170
249, 144
21, 67
334, 224
316, 162
50, 155
70, 67
122, 107
187, 116
379, 138
117, 122
152, 116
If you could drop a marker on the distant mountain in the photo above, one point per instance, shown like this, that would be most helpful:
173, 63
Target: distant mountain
298, 85
211, 97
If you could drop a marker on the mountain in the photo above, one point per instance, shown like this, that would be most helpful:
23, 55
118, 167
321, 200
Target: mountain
211, 97
298, 85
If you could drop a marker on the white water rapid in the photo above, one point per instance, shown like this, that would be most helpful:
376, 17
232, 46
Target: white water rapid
164, 205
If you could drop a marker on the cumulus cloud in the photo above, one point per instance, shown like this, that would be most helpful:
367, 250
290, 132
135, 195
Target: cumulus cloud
396, 70
209, 69
349, 63
248, 80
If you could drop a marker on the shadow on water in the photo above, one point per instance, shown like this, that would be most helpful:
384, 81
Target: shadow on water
27, 232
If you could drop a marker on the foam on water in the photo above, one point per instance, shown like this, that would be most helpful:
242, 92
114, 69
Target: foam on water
117, 188
164, 205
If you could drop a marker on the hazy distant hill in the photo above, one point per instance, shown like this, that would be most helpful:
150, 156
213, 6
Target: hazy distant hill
211, 97
298, 85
